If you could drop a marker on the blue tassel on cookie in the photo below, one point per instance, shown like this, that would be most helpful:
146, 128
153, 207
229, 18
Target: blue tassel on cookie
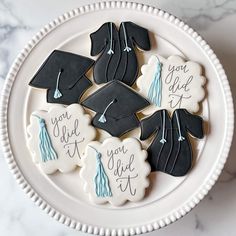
102, 119
57, 93
101, 180
154, 93
45, 145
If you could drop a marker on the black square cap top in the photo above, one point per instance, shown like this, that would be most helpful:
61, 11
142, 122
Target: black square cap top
115, 105
123, 100
71, 66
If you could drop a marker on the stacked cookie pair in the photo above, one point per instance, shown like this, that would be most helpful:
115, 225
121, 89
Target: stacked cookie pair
160, 102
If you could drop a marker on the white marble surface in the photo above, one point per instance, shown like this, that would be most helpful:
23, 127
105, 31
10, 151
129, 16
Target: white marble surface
215, 20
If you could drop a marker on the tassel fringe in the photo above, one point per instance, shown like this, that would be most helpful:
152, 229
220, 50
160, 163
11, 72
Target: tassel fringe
110, 51
102, 119
163, 141
57, 93
45, 145
181, 138
102, 187
101, 180
127, 49
154, 93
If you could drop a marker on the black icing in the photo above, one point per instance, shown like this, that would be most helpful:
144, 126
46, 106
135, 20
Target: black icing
73, 82
174, 157
72, 95
121, 65
120, 115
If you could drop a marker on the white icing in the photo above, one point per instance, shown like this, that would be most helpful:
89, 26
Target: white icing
60, 122
188, 78
130, 156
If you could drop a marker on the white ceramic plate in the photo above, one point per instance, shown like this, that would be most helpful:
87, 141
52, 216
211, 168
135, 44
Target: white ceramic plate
61, 195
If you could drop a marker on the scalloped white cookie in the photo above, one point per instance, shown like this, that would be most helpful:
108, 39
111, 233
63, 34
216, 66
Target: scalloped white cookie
69, 132
181, 84
125, 167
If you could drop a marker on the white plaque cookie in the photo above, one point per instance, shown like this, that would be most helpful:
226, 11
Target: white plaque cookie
171, 83
115, 171
58, 137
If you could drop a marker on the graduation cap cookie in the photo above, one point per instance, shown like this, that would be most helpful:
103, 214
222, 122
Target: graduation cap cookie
63, 75
115, 105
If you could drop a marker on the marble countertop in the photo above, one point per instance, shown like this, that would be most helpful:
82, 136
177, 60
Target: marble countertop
215, 20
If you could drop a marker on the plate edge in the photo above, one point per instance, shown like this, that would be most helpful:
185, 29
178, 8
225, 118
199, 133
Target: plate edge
5, 142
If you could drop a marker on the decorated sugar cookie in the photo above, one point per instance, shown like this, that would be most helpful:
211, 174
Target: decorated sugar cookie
58, 137
170, 150
116, 106
117, 47
115, 171
63, 75
171, 84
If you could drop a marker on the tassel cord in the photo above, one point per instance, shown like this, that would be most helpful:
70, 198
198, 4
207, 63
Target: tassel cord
110, 51
102, 118
57, 93
181, 138
127, 48
163, 140
47, 151
154, 93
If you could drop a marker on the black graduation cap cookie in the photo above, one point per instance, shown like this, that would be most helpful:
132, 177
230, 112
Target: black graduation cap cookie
63, 75
115, 105
118, 60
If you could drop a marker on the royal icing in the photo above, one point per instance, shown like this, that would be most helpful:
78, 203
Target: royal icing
171, 83
115, 171
58, 137
63, 74
117, 50
116, 106
170, 150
